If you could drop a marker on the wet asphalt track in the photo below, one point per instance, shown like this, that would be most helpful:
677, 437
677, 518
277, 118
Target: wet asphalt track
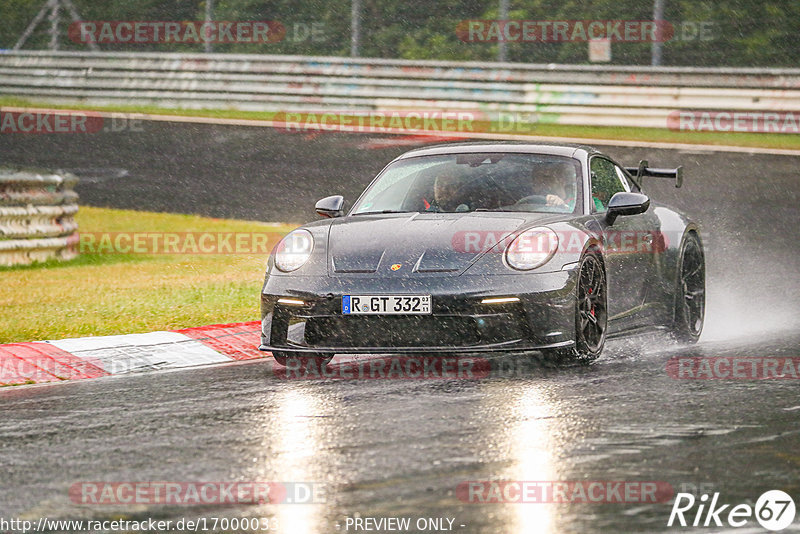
389, 448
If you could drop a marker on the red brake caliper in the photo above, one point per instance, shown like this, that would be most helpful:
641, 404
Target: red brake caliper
592, 310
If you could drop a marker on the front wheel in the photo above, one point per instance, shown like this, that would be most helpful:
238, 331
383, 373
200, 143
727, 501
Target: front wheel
291, 360
690, 293
591, 313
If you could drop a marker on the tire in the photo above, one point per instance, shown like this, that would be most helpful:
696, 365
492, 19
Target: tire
321, 359
690, 292
591, 314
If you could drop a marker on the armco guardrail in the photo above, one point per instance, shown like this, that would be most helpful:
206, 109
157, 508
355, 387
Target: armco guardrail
37, 216
565, 94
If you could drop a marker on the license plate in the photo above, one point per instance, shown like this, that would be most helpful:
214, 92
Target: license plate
386, 304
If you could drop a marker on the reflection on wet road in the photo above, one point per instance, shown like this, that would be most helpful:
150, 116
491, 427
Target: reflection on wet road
381, 448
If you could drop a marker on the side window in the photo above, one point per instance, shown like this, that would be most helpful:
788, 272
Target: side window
605, 183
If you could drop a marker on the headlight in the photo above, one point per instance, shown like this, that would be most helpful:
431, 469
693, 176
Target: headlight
532, 248
294, 250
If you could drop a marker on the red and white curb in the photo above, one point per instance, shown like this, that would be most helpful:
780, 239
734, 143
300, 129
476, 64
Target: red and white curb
93, 357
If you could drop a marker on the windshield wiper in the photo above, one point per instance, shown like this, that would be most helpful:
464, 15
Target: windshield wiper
381, 211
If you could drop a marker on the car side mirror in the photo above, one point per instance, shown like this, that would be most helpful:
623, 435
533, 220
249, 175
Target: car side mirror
624, 203
330, 207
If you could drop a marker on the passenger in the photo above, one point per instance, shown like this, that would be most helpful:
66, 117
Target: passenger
555, 183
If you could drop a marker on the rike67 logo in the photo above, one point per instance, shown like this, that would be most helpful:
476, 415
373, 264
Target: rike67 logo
774, 510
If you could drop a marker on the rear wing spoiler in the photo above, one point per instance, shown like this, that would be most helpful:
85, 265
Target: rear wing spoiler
643, 170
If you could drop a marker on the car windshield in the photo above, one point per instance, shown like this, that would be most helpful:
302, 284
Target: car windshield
456, 183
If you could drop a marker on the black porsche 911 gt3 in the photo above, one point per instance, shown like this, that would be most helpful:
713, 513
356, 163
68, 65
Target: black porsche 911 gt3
466, 248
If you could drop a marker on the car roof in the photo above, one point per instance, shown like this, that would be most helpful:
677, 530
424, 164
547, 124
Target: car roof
562, 149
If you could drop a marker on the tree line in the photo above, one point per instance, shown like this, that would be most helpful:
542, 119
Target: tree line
738, 33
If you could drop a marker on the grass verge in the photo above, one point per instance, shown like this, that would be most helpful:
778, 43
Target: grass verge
655, 135
122, 293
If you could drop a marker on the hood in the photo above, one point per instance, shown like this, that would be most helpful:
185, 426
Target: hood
415, 244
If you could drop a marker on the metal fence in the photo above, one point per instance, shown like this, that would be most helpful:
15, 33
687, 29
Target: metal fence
37, 216
563, 94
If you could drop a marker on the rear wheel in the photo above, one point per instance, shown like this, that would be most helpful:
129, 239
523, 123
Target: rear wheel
591, 313
690, 293
285, 359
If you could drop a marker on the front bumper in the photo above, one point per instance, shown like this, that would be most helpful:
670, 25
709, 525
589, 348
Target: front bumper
544, 316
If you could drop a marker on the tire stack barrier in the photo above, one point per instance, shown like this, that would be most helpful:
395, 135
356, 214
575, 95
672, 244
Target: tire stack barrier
37, 216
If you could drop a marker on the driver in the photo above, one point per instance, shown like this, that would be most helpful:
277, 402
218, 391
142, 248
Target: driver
446, 193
